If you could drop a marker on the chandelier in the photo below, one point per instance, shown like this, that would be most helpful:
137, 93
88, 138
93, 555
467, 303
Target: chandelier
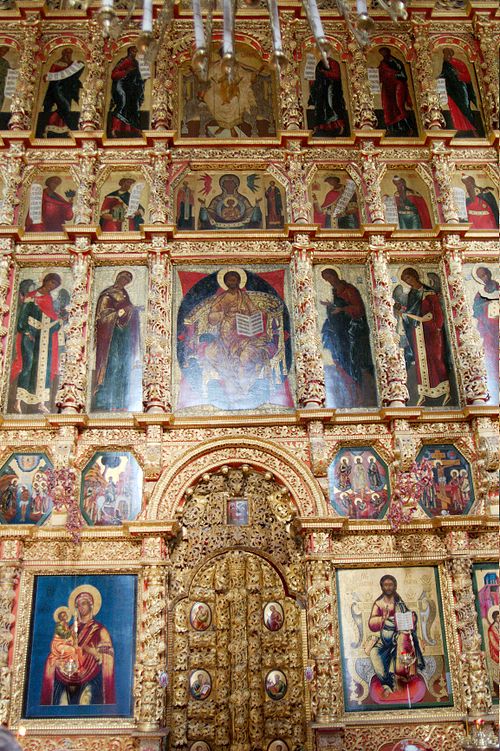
354, 12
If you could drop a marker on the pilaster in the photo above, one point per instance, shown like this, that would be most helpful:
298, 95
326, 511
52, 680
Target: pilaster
24, 97
292, 117
309, 363
158, 356
486, 32
363, 111
430, 109
470, 353
92, 96
13, 166
372, 172
443, 168
84, 175
389, 358
71, 396
9, 580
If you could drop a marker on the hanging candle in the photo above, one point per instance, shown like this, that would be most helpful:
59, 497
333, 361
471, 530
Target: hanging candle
228, 43
312, 12
279, 56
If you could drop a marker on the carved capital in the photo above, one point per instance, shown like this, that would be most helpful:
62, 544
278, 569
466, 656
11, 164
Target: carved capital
158, 355
309, 363
389, 358
469, 347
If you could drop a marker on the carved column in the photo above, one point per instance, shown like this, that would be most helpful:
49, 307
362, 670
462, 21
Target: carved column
486, 33
443, 169
73, 388
152, 647
158, 174
6, 263
372, 171
9, 579
475, 680
158, 356
298, 172
469, 348
13, 167
318, 447
92, 96
326, 687
292, 117
164, 82
84, 175
488, 442
363, 111
389, 357
23, 100
309, 363
429, 101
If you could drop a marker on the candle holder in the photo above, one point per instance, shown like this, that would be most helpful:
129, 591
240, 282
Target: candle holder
481, 736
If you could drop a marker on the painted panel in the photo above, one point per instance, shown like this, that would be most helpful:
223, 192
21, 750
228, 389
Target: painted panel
82, 647
482, 288
49, 203
476, 196
218, 108
61, 86
407, 200
392, 88
450, 489
486, 588
233, 339
325, 92
392, 639
335, 200
39, 318
24, 496
111, 489
423, 336
229, 201
459, 93
129, 96
345, 333
9, 67
123, 202
117, 356
359, 483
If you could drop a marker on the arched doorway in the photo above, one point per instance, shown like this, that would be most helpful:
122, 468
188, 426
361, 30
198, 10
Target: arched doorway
237, 633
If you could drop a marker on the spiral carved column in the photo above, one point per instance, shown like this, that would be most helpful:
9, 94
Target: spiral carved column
158, 357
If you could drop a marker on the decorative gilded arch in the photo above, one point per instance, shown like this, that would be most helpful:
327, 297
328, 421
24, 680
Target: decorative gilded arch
168, 496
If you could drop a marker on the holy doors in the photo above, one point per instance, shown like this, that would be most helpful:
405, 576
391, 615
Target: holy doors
237, 673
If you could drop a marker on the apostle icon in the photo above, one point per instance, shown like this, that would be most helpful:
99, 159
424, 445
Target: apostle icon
276, 685
481, 205
58, 116
390, 81
80, 668
273, 616
200, 684
326, 96
200, 616
9, 75
48, 209
126, 119
483, 292
463, 111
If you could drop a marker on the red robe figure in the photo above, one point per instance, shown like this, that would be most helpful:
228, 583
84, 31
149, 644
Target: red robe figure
56, 210
330, 114
274, 204
396, 100
461, 95
485, 310
114, 210
482, 207
412, 209
424, 325
347, 219
90, 680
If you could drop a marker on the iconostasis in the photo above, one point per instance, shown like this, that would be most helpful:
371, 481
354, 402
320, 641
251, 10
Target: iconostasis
249, 384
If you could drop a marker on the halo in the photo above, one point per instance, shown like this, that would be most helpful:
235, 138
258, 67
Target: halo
481, 266
96, 595
421, 274
333, 268
235, 179
492, 610
222, 273
62, 609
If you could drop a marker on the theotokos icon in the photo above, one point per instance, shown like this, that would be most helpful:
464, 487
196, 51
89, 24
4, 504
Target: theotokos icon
233, 340
85, 660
